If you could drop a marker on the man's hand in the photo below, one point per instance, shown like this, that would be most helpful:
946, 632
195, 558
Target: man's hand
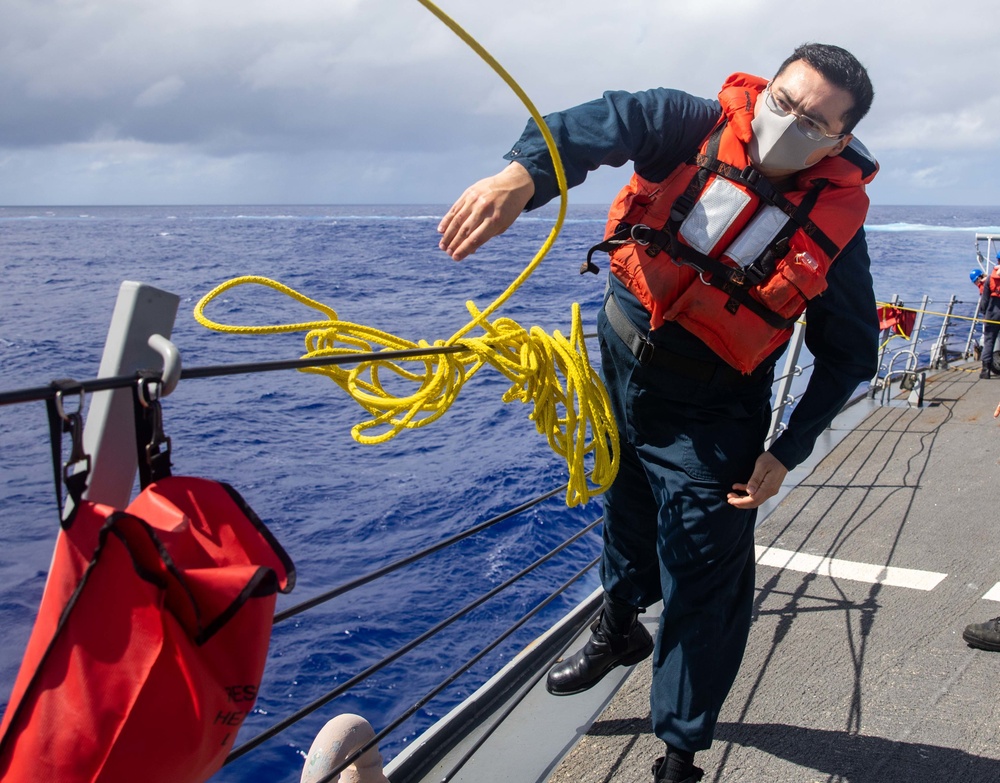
768, 474
485, 210
996, 413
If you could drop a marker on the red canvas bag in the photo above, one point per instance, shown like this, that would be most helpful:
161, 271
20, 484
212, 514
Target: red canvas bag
150, 640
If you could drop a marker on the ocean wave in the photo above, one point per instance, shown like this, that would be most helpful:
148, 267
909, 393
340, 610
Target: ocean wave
313, 218
283, 440
900, 227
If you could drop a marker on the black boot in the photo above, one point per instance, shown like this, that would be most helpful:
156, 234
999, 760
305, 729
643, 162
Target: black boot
617, 639
985, 636
985, 372
672, 769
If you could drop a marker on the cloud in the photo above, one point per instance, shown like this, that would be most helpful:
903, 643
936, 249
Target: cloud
162, 92
959, 128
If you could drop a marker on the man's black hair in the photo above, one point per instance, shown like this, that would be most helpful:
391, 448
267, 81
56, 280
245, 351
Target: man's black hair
841, 68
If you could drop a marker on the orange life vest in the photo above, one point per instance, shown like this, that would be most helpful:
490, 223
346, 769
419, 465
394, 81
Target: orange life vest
995, 281
716, 248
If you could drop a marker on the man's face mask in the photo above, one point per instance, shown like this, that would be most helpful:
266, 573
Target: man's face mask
782, 140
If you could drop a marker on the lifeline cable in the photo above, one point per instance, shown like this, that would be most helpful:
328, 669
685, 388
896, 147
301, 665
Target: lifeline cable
528, 359
897, 331
951, 316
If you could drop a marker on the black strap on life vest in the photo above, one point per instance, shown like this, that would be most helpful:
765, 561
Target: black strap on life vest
625, 232
732, 281
760, 185
682, 207
763, 266
736, 282
709, 163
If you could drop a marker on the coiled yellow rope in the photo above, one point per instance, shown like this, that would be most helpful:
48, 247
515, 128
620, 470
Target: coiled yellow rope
574, 413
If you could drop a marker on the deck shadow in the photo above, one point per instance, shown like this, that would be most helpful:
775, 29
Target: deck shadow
854, 758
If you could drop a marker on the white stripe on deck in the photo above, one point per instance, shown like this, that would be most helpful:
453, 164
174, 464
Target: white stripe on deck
846, 569
993, 594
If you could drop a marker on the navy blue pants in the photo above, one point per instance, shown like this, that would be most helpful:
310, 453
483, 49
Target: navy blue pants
669, 532
990, 332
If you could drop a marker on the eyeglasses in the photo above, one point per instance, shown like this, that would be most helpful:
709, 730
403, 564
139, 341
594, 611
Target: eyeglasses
806, 125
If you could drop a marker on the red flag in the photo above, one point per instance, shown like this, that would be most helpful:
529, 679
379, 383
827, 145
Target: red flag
896, 319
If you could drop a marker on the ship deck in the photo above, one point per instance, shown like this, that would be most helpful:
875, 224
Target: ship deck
883, 548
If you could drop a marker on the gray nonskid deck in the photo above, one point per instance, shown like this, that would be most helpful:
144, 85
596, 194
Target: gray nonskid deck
846, 679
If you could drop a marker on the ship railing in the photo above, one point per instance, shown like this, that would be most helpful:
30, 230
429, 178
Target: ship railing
937, 339
139, 339
550, 652
784, 398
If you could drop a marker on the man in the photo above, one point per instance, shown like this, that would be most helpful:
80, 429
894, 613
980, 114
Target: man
727, 231
989, 309
985, 636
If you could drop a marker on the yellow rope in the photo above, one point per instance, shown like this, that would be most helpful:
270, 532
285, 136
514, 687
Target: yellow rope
571, 405
898, 332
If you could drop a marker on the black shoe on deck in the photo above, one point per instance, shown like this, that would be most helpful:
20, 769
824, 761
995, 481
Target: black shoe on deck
603, 652
662, 773
985, 373
985, 636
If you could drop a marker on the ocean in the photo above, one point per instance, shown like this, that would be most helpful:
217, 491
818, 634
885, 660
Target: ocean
282, 439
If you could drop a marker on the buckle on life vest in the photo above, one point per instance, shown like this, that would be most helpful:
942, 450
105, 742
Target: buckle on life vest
764, 266
750, 175
681, 207
737, 280
734, 283
654, 241
754, 274
648, 238
640, 234
762, 186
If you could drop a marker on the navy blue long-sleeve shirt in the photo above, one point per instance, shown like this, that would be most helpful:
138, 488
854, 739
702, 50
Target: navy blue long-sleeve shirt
659, 129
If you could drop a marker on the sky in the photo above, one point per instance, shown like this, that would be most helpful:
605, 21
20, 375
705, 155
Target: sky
377, 102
